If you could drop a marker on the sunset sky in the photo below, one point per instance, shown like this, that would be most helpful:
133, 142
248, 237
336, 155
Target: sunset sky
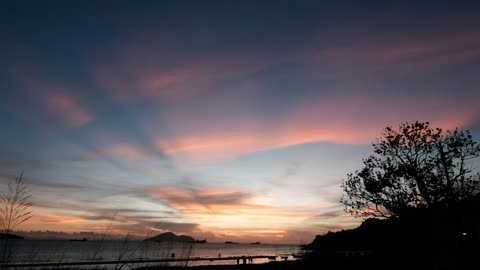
224, 120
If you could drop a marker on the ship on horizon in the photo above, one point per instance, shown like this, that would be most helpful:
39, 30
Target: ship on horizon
79, 240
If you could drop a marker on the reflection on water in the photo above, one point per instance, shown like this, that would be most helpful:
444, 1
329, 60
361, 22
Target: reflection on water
65, 251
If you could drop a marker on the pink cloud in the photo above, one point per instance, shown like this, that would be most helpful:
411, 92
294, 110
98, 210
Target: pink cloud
49, 219
209, 147
68, 108
358, 119
352, 119
130, 80
130, 155
146, 66
201, 200
127, 151
58, 106
224, 202
218, 146
388, 55
145, 82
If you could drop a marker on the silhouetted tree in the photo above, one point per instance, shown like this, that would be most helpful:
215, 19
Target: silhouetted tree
414, 166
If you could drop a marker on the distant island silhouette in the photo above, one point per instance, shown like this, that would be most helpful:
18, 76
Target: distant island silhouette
10, 236
171, 237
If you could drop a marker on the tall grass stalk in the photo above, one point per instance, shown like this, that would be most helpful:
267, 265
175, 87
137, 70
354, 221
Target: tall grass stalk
15, 207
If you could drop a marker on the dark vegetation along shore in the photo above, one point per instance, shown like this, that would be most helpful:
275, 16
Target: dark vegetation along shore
425, 239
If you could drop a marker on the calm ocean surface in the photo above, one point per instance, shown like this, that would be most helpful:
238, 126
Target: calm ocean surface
65, 251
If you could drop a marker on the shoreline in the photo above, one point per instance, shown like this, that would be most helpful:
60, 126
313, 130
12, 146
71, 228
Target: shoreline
284, 265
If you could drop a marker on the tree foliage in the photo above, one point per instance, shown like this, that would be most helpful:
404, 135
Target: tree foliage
414, 166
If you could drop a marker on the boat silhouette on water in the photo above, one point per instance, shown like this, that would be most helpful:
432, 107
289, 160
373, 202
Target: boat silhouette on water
79, 240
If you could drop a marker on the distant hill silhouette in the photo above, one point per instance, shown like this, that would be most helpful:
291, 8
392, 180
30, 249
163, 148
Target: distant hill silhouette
10, 236
171, 237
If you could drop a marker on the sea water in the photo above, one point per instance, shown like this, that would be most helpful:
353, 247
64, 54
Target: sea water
36, 251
